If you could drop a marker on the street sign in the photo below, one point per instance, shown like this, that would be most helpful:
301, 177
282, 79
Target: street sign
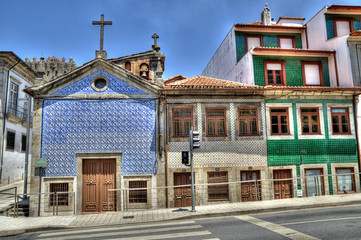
41, 162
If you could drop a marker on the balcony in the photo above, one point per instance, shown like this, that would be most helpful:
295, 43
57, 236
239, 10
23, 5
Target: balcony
18, 111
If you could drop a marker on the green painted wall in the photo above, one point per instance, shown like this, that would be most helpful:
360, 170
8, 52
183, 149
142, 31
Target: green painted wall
329, 23
318, 151
293, 69
269, 40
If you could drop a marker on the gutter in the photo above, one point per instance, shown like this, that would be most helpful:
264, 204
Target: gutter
4, 118
357, 135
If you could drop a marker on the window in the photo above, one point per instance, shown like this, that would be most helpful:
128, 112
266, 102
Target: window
286, 42
310, 121
182, 121
10, 140
314, 182
23, 143
218, 192
144, 71
342, 26
275, 73
128, 66
253, 41
216, 122
345, 180
63, 199
248, 121
279, 121
138, 196
312, 73
13, 101
100, 83
340, 121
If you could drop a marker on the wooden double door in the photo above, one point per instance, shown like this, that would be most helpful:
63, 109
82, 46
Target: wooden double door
182, 195
251, 189
282, 188
98, 177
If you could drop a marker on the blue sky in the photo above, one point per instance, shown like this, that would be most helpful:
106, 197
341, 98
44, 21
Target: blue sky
190, 30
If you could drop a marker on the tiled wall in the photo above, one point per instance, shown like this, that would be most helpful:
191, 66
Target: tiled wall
330, 27
269, 40
326, 150
235, 152
71, 126
83, 86
293, 69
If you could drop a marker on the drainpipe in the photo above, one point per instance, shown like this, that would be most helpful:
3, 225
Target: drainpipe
356, 124
166, 148
4, 118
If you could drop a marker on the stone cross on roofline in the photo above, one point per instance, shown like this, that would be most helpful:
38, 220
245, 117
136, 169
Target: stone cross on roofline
155, 46
101, 52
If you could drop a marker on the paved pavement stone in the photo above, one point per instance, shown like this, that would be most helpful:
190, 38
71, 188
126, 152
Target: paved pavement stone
13, 226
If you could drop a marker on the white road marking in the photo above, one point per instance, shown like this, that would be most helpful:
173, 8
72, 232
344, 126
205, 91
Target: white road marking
287, 232
89, 231
87, 235
321, 220
165, 236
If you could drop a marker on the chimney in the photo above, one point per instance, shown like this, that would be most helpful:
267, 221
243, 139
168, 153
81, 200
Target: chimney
266, 16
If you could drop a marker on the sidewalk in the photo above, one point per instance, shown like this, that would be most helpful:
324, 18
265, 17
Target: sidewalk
13, 226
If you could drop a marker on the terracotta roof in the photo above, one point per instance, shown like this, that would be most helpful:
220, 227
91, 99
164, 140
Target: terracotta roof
294, 18
203, 82
312, 88
274, 26
174, 79
356, 33
291, 50
343, 7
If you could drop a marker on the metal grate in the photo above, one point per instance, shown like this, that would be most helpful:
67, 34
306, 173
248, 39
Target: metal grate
63, 198
138, 196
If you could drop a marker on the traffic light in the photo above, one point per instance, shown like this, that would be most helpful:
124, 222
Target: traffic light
185, 157
194, 139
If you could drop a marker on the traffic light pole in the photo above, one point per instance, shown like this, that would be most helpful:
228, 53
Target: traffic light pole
192, 170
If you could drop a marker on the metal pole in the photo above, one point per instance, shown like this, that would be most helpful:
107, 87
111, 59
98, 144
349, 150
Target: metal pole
40, 172
73, 194
27, 150
57, 203
108, 200
16, 203
192, 170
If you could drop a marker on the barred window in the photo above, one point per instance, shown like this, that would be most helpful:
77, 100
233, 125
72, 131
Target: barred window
63, 198
138, 196
218, 192
10, 140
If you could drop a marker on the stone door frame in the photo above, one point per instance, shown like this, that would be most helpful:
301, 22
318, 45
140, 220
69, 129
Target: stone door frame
79, 176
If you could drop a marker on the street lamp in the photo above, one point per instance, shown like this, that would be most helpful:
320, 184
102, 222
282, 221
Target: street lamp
28, 101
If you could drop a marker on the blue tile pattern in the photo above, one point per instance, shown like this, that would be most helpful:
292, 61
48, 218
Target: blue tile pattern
116, 86
233, 153
111, 125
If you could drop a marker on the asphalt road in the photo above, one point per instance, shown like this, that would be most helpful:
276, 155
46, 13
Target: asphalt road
321, 223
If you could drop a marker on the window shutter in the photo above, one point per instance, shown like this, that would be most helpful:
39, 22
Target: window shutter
286, 43
253, 42
312, 74
343, 27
